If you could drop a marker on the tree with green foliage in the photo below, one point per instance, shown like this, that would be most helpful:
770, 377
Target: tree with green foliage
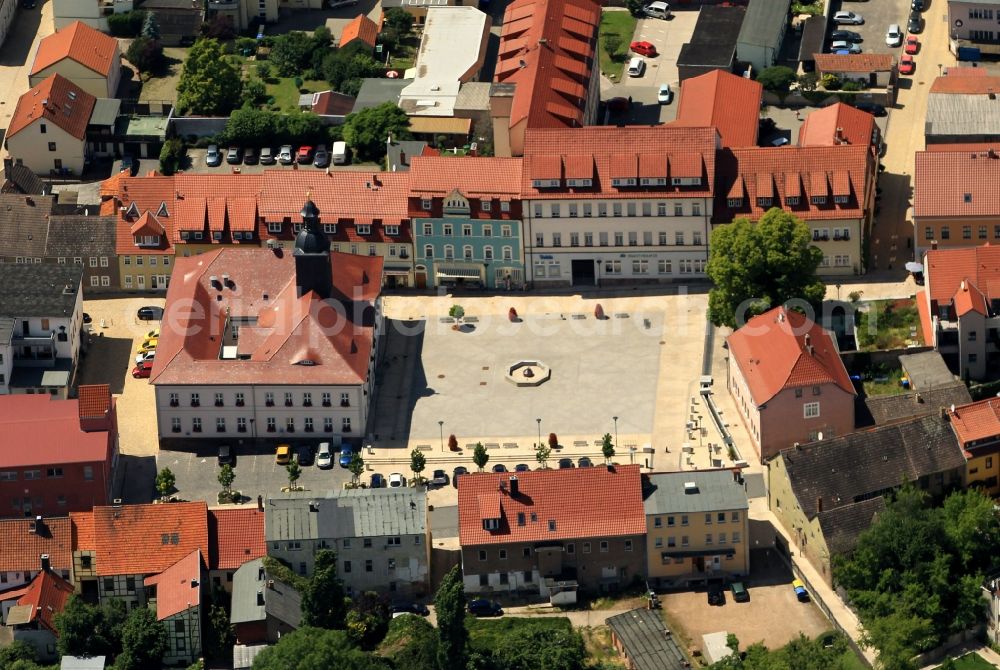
366, 131
552, 648
18, 650
323, 603
172, 155
220, 635
294, 472
291, 53
826, 652
612, 45
777, 79
456, 312
126, 24
219, 27
411, 643
301, 127
449, 604
480, 456
417, 463
151, 27
90, 630
144, 641
607, 448
635, 7
316, 649
344, 68
210, 83
264, 71
758, 266
398, 20
247, 125
368, 619
227, 475
254, 91
356, 466
145, 53
542, 454
165, 482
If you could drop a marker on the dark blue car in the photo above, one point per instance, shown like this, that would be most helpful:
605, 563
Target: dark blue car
346, 455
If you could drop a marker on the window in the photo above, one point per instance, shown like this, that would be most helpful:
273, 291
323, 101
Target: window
664, 267
504, 206
428, 251
612, 267
588, 239
628, 545
539, 240
368, 565
196, 424
95, 280
367, 542
684, 540
289, 424
538, 210
288, 399
708, 538
502, 555
557, 239
327, 424
603, 238
972, 336
722, 538
658, 522
56, 473
195, 400
467, 252
982, 232
586, 547
604, 546
684, 519
619, 239
449, 252
241, 424
269, 399
574, 239
555, 210
966, 232
447, 229
88, 473
640, 267
736, 538
218, 400
708, 518
973, 358
570, 548
482, 555
308, 424
697, 238
679, 238
573, 210
945, 232
659, 542
52, 146
175, 425
810, 410
41, 128
734, 517
488, 253
345, 399
271, 424
345, 424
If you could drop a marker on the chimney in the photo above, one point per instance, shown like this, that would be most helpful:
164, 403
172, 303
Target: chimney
29, 201
819, 504
313, 271
260, 598
808, 340
46, 566
933, 244
514, 486
260, 503
270, 584
839, 135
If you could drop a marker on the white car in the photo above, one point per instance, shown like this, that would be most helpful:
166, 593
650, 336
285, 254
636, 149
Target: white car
844, 45
147, 357
396, 481
664, 95
285, 155
893, 36
324, 457
636, 67
848, 19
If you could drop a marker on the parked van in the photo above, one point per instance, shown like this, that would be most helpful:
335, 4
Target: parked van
657, 10
339, 153
636, 67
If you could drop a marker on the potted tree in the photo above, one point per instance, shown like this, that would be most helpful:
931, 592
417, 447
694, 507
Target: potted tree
512, 315
553, 441
453, 442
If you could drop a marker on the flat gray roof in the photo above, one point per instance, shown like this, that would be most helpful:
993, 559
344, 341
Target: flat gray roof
347, 513
247, 581
648, 643
376, 91
105, 112
665, 493
82, 663
764, 22
926, 370
962, 114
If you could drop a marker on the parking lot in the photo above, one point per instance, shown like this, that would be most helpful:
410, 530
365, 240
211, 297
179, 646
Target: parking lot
196, 165
878, 17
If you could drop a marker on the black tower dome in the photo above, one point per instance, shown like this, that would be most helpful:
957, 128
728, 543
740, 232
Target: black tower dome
313, 270
311, 239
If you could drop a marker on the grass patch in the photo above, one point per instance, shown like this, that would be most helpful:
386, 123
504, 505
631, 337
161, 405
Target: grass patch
883, 381
889, 324
972, 662
485, 635
811, 7
286, 96
850, 661
405, 54
164, 85
622, 25
597, 641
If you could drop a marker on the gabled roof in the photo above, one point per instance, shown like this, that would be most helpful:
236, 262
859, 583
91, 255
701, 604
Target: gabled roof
83, 530
888, 408
474, 177
714, 490
156, 536
56, 100
39, 289
646, 641
361, 197
178, 588
855, 63
24, 544
966, 81
782, 349
359, 28
78, 42
76, 235
723, 100
346, 513
946, 269
956, 183
976, 421
331, 103
967, 299
24, 224
549, 504
48, 424
46, 596
842, 526
235, 536
94, 401
837, 124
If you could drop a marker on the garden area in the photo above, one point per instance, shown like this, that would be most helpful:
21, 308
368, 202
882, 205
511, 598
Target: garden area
283, 92
888, 324
617, 28
883, 380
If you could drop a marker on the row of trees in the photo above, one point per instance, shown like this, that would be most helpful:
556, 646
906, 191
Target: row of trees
827, 652
136, 640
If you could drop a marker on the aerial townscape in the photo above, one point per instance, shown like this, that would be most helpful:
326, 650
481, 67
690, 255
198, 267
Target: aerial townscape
499, 334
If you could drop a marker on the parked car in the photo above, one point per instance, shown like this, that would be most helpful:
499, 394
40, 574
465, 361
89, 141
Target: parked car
636, 67
149, 313
225, 455
521, 467
843, 46
213, 157
906, 64
129, 165
324, 457
304, 155
872, 108
915, 24
848, 19
285, 155
151, 334
283, 454
665, 94
485, 607
304, 454
848, 35
148, 357
28, 4
346, 455
657, 10
396, 481
912, 45
584, 462
800, 591
499, 467
377, 481
234, 156
739, 591
88, 319
322, 157
460, 470
440, 478
142, 370
893, 36
147, 346
266, 156
565, 463
716, 596
250, 156
645, 48
411, 608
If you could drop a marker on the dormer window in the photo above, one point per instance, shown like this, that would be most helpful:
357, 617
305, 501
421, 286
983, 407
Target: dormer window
545, 183
364, 229
132, 210
792, 200
653, 181
491, 524
818, 199
198, 234
764, 202
147, 240
841, 199
184, 234
162, 211
734, 202
392, 231
579, 183
217, 235
330, 228
425, 204
686, 181
623, 181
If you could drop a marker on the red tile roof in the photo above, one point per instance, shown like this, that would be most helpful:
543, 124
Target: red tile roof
967, 299
837, 124
289, 328
147, 539
857, 63
178, 588
360, 28
946, 269
971, 147
23, 547
474, 177
94, 401
547, 50
956, 183
723, 100
235, 536
802, 172
550, 498
681, 152
966, 81
341, 195
83, 530
332, 103
81, 43
772, 354
976, 421
58, 101
52, 428
46, 595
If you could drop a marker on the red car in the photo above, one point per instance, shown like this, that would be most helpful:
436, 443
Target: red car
907, 65
142, 371
304, 154
912, 45
644, 48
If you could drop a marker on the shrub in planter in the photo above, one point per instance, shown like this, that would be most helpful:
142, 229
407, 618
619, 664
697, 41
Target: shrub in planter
512, 315
453, 442
553, 440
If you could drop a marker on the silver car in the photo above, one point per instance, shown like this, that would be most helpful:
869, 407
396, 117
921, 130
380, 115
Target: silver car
266, 156
213, 157
285, 155
321, 158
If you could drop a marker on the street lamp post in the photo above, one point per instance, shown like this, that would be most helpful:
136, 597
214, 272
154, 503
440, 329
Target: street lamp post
539, 422
441, 426
616, 429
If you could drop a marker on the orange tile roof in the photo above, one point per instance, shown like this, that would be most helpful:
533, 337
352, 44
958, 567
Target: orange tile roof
56, 100
772, 355
47, 595
22, 547
547, 51
83, 530
956, 183
976, 421
178, 588
613, 505
81, 43
967, 299
548, 153
147, 539
802, 172
94, 401
235, 536
474, 177
966, 81
359, 196
360, 28
723, 100
837, 124
946, 269
856, 63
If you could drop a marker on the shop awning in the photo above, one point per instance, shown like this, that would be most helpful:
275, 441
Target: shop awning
458, 273
720, 551
397, 269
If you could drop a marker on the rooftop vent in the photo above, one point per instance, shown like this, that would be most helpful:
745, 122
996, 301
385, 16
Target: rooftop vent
690, 488
214, 281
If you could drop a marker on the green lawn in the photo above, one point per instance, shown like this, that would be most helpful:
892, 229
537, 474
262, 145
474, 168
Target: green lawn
164, 86
972, 662
487, 634
884, 382
405, 53
889, 324
621, 24
286, 96
852, 662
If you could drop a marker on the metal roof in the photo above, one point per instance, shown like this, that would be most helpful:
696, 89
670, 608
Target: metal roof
244, 654
764, 22
248, 580
962, 114
346, 514
105, 112
646, 641
926, 370
82, 663
715, 490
